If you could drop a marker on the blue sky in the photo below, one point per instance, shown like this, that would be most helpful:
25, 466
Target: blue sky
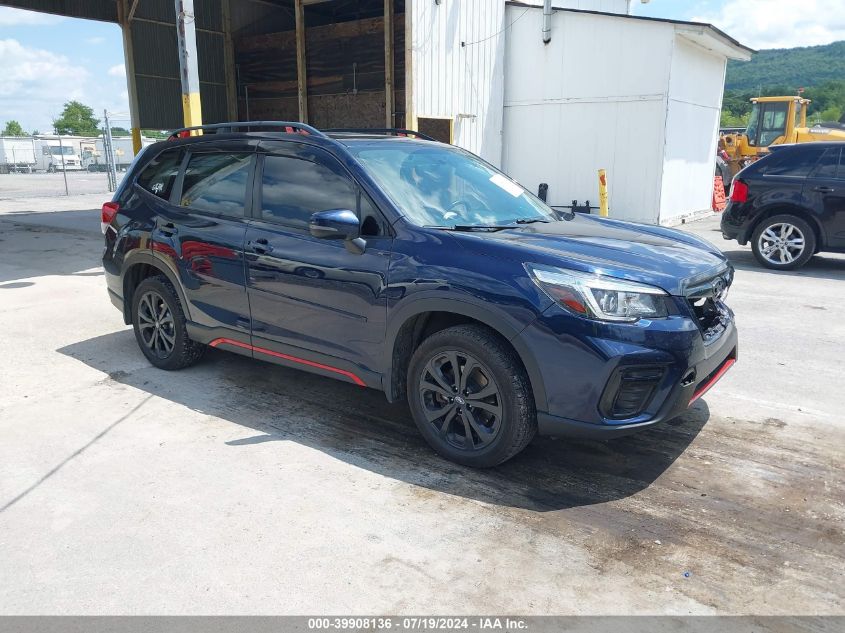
48, 60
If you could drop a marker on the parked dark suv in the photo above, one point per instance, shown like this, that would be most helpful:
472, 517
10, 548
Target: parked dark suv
790, 204
416, 268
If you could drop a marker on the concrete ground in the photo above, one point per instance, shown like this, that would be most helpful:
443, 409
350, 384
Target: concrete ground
237, 487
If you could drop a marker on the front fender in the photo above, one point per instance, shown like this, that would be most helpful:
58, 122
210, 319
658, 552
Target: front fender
498, 320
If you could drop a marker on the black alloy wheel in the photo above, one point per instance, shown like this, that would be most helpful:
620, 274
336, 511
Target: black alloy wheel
155, 321
161, 327
470, 396
461, 400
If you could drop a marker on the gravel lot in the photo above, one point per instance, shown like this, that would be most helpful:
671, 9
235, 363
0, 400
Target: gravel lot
241, 487
44, 184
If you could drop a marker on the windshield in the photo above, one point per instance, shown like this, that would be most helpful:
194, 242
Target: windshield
55, 150
436, 185
753, 123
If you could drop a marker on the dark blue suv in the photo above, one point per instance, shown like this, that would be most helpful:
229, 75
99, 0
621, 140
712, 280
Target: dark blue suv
406, 265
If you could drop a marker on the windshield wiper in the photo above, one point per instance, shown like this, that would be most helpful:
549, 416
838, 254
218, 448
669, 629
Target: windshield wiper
530, 220
471, 227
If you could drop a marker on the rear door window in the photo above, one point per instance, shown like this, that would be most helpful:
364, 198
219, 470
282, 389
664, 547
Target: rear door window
794, 163
841, 172
160, 173
294, 188
216, 183
827, 166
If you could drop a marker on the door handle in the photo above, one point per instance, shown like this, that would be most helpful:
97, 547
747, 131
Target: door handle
167, 228
260, 246
824, 189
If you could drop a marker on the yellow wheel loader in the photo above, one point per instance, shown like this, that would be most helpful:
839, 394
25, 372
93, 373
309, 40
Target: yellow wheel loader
775, 121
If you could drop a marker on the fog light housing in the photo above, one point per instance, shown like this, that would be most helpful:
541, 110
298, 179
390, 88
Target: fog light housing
630, 391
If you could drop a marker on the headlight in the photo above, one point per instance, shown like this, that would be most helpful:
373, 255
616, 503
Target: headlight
600, 297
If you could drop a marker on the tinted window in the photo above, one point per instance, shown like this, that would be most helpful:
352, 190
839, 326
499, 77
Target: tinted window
841, 172
160, 174
827, 165
794, 163
217, 183
292, 189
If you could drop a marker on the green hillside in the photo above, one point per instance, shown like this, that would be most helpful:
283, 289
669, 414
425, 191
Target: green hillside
820, 70
796, 67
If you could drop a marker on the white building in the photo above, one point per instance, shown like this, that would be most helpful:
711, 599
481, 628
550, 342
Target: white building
637, 96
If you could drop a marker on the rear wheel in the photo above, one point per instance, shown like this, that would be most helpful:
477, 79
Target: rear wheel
470, 396
783, 242
159, 324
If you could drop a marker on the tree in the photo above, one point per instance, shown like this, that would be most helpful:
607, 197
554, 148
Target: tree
120, 131
13, 128
78, 119
155, 133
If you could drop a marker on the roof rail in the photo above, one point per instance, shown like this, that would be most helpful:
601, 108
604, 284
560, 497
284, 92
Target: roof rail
394, 131
290, 127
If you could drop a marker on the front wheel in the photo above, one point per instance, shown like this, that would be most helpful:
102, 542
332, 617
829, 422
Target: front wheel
470, 396
783, 242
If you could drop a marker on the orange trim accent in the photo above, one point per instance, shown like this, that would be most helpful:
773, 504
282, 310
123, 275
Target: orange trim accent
302, 361
706, 387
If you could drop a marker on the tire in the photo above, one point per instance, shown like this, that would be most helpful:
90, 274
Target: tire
770, 249
501, 422
159, 324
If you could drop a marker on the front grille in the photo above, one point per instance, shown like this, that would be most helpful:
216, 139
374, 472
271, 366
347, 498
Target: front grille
708, 310
709, 315
630, 391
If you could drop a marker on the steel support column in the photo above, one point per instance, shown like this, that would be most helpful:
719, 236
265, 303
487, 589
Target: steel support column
229, 63
188, 67
125, 13
302, 80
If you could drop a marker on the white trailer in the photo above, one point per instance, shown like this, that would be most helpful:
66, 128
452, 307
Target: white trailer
57, 154
17, 154
94, 157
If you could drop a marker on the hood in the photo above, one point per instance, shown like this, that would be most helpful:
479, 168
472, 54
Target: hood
655, 255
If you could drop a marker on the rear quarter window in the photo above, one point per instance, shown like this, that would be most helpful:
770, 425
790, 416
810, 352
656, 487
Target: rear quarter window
160, 173
798, 163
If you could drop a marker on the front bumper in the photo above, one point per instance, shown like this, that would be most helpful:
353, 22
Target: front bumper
577, 371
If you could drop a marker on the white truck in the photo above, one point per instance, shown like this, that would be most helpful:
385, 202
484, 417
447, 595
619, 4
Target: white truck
94, 158
17, 154
51, 154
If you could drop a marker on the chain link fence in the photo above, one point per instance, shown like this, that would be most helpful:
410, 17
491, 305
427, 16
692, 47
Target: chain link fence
51, 165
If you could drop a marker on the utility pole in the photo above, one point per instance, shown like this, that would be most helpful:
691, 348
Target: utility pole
64, 164
189, 73
108, 148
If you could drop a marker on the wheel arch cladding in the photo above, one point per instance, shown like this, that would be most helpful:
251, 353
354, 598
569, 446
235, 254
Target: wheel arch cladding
143, 266
407, 330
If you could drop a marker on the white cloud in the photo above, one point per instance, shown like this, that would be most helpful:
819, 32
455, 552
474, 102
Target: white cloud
118, 70
19, 17
97, 39
36, 83
780, 23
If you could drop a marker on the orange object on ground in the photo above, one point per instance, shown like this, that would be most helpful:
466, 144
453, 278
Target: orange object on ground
719, 198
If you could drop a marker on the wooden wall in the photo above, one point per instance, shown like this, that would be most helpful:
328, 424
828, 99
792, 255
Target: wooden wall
345, 71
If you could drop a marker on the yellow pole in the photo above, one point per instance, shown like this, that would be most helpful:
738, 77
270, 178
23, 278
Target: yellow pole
136, 140
603, 209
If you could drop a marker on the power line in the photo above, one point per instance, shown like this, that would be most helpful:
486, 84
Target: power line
464, 44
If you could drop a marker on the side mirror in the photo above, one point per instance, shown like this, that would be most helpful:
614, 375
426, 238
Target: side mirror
337, 224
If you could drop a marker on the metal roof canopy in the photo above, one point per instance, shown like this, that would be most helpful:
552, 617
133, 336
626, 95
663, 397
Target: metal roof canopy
150, 52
